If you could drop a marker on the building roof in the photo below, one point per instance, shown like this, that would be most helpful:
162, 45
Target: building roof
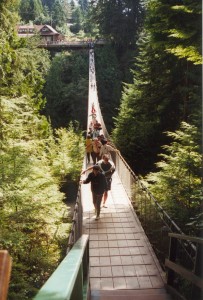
50, 28
30, 30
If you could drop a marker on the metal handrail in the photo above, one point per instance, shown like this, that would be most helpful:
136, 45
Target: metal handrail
192, 273
70, 280
129, 180
76, 226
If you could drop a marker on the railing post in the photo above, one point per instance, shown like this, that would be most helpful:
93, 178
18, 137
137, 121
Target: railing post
198, 270
198, 261
172, 257
5, 271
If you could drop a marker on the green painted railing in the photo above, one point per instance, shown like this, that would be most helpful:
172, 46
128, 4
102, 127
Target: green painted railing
70, 281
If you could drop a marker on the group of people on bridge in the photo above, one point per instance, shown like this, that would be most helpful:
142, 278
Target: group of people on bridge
98, 150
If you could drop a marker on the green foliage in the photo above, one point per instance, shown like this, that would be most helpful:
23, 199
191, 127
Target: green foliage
166, 90
177, 25
55, 13
118, 20
31, 203
77, 20
68, 152
84, 5
58, 14
33, 165
177, 184
33, 216
18, 77
66, 87
31, 10
108, 82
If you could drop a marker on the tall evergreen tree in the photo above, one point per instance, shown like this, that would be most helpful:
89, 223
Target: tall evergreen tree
118, 20
31, 10
177, 183
48, 3
77, 20
84, 5
58, 14
66, 89
33, 217
166, 91
108, 83
177, 24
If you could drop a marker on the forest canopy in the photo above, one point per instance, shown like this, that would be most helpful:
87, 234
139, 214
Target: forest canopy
34, 161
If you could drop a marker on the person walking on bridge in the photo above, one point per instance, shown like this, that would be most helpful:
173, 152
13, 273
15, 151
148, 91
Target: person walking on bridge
107, 168
98, 187
89, 147
106, 149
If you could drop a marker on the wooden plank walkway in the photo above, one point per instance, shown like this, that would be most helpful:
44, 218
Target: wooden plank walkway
122, 262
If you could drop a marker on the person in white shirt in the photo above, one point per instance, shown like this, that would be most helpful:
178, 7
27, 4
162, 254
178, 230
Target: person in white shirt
106, 149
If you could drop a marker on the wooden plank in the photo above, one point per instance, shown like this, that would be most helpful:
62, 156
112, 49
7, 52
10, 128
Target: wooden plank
5, 272
185, 273
125, 259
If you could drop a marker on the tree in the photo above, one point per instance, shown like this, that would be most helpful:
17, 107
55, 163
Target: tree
76, 20
48, 3
58, 14
108, 83
84, 5
30, 10
33, 217
118, 20
177, 183
166, 90
177, 24
66, 87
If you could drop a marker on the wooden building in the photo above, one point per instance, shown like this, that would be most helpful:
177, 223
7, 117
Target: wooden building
47, 33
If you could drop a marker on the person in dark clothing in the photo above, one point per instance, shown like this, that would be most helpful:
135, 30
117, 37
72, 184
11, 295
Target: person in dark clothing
107, 168
98, 187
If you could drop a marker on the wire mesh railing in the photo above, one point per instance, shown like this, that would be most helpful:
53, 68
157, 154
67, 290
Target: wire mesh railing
154, 219
76, 226
158, 227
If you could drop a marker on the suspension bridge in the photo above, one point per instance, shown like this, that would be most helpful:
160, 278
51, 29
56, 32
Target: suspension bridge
112, 258
71, 45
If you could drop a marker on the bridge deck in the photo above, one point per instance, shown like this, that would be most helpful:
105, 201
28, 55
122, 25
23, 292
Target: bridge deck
121, 257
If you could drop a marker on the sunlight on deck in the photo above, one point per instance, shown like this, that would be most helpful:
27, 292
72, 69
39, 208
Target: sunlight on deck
121, 256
